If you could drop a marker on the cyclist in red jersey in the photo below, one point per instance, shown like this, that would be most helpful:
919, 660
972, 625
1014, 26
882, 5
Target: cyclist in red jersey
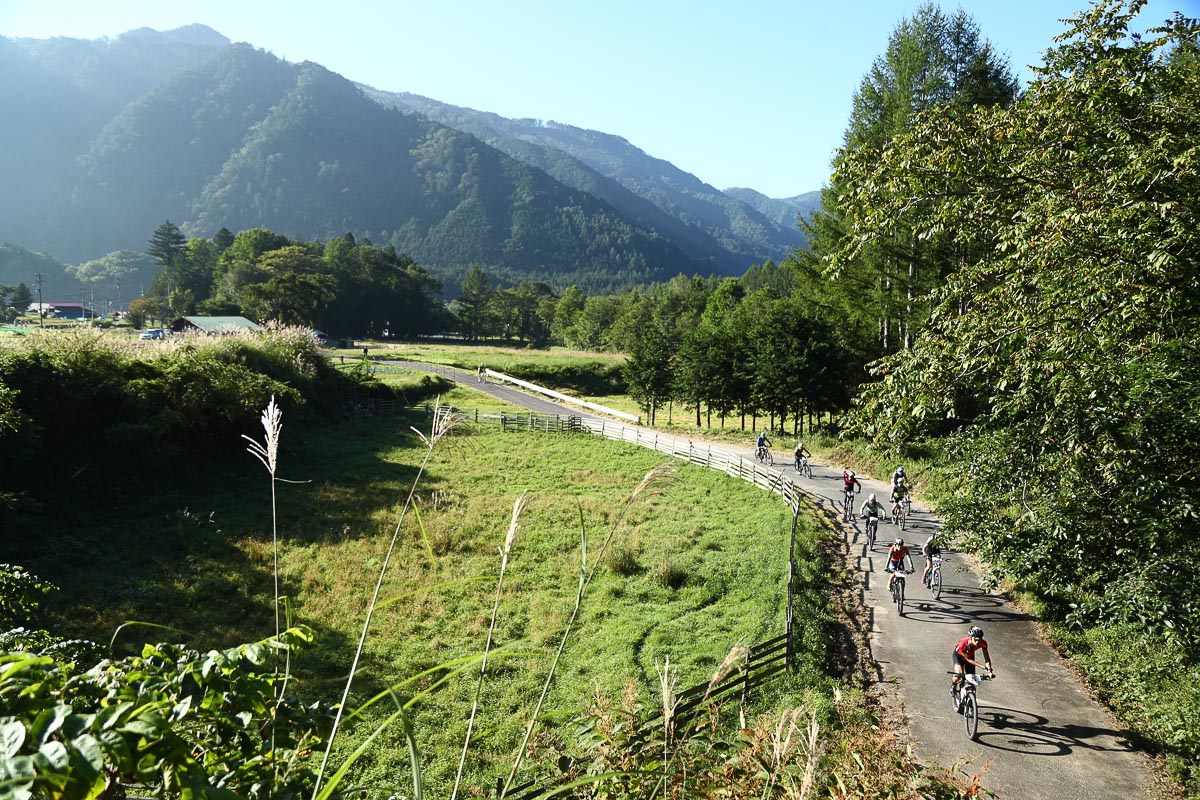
896, 556
964, 656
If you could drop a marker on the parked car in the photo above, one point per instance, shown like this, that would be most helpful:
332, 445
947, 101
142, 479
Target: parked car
153, 333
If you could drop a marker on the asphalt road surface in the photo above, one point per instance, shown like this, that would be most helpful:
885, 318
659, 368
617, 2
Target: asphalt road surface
1040, 735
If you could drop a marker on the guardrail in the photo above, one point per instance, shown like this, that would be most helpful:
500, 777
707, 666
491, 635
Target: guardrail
566, 398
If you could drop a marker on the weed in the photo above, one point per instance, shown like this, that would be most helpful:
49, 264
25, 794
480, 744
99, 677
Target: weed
622, 559
669, 574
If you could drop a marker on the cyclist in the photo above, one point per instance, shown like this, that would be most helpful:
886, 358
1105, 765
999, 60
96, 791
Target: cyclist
964, 656
801, 453
899, 490
896, 555
871, 511
762, 444
930, 549
898, 476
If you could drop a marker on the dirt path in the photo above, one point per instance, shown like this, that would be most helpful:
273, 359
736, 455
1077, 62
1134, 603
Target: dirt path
1040, 734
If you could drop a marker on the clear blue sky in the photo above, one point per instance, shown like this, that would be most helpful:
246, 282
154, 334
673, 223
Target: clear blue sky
754, 93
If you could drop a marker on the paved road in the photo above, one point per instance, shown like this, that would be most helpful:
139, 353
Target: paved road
1040, 734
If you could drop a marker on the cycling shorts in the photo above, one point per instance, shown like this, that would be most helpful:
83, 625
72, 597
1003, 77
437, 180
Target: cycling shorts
956, 660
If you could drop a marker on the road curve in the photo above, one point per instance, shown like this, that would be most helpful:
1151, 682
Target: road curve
1040, 734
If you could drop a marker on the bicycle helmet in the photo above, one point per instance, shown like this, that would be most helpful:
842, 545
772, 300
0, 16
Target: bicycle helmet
900, 469
976, 632
851, 473
871, 498
899, 542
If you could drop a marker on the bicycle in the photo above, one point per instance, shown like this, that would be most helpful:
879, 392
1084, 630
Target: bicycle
872, 529
803, 467
965, 703
898, 589
847, 505
898, 514
763, 454
934, 581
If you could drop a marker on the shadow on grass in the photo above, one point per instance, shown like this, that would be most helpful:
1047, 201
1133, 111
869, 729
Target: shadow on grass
193, 550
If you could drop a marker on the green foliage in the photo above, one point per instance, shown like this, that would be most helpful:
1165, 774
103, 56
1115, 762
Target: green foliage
1066, 355
18, 595
881, 294
1157, 694
83, 396
176, 720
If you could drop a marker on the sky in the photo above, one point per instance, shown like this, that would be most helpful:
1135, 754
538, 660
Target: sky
746, 93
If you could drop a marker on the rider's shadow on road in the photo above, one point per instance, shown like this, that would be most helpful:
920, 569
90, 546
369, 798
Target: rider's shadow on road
1024, 732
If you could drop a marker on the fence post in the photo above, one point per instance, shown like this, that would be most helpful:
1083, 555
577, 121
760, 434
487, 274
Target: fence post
791, 589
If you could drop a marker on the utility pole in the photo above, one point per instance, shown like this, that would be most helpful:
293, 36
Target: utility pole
41, 306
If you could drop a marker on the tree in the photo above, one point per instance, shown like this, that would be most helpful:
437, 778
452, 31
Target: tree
474, 297
167, 244
294, 292
1063, 356
649, 370
567, 313
932, 61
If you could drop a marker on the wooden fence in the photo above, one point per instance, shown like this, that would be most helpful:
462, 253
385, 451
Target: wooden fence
760, 663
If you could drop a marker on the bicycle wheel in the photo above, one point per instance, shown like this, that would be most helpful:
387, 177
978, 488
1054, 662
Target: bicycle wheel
807, 469
900, 596
902, 518
872, 525
935, 583
769, 459
970, 715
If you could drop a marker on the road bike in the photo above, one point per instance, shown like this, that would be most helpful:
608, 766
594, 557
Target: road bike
965, 702
847, 505
763, 454
934, 581
898, 589
872, 529
803, 467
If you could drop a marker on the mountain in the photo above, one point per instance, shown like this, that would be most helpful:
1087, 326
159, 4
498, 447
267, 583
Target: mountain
783, 211
110, 137
708, 224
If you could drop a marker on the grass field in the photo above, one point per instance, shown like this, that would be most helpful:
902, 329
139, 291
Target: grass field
697, 566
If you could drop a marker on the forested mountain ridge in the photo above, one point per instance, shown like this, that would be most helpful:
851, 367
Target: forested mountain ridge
710, 224
783, 210
113, 136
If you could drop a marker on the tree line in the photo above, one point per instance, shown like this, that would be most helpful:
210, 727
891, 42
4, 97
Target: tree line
351, 287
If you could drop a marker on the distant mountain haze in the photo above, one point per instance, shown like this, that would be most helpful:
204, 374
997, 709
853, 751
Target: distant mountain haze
105, 139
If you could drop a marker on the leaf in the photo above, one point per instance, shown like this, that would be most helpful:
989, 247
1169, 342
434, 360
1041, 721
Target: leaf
12, 736
47, 722
53, 755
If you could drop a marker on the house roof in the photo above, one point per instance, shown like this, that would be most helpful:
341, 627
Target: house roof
221, 324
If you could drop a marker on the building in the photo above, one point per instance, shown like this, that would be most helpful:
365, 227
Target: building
214, 325
62, 310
